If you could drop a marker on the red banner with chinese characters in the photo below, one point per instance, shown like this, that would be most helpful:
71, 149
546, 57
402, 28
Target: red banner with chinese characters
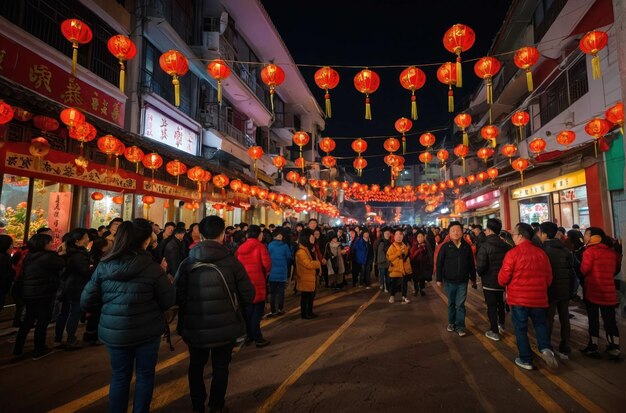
59, 208
27, 68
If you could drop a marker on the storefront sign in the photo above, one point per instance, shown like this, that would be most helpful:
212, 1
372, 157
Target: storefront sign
482, 200
59, 214
172, 191
164, 129
262, 176
27, 68
557, 184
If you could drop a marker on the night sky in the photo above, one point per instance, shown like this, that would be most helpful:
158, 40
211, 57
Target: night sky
388, 32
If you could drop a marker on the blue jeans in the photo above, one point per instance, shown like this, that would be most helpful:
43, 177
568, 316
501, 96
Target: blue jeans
68, 319
254, 313
457, 293
520, 316
144, 358
383, 277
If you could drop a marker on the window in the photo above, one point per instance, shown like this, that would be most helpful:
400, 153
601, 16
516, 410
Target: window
534, 209
563, 92
104, 210
14, 206
545, 14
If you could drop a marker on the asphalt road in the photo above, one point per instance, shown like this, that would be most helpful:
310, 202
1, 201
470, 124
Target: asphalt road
362, 354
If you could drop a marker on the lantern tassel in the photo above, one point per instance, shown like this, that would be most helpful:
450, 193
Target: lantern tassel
117, 164
494, 143
413, 106
368, 109
595, 65
489, 92
450, 100
74, 57
177, 180
522, 176
465, 138
329, 111
219, 92
403, 145
463, 162
176, 84
459, 72
595, 147
136, 167
529, 80
122, 75
272, 98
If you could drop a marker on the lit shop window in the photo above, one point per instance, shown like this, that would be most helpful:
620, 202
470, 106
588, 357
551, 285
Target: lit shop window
13, 207
104, 206
51, 207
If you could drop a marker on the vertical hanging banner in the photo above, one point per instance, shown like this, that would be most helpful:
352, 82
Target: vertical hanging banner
59, 207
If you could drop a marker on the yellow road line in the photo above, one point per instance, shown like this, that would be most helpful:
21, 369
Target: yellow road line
271, 401
562, 384
542, 398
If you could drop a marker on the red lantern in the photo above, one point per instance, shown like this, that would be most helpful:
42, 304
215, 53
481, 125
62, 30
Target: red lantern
20, 114
39, 147
219, 71
300, 163
367, 82
391, 145
175, 64
148, 200
509, 151
272, 76
615, 115
97, 196
134, 155
279, 162
597, 128
520, 165
442, 155
425, 157
255, 153
359, 146
220, 181
302, 181
293, 176
492, 173
118, 200
329, 161
427, 139
463, 121
45, 124
525, 58
481, 176
484, 153
108, 144
460, 181
124, 49
446, 74
486, 68
327, 78
77, 32
403, 125
236, 185
461, 151
471, 179
412, 78
359, 164
301, 139
196, 174
327, 145
83, 132
176, 168
490, 133
72, 117
152, 161
566, 137
537, 145
591, 43
459, 38
520, 119
6, 113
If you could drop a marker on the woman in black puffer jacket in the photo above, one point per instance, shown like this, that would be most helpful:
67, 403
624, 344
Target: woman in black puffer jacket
40, 281
132, 292
78, 270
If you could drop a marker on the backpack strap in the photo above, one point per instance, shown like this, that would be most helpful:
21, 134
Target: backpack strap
233, 299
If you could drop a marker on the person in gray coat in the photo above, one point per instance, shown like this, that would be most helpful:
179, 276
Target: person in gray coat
211, 288
132, 292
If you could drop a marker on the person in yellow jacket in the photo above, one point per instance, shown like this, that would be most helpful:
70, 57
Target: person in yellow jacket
307, 269
399, 266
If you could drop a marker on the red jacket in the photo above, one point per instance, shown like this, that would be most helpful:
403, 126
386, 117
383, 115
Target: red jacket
598, 270
256, 260
526, 273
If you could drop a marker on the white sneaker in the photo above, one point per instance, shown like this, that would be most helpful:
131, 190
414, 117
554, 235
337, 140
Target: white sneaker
392, 300
562, 356
386, 291
368, 287
501, 329
548, 356
405, 300
492, 336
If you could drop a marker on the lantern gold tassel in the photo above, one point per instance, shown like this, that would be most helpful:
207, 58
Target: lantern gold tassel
272, 98
595, 147
459, 72
413, 107
494, 143
529, 80
75, 58
463, 162
368, 109
117, 163
122, 75
219, 92
403, 145
595, 65
329, 111
450, 100
176, 84
489, 92
465, 138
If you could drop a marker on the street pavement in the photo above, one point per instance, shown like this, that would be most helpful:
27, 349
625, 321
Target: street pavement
362, 354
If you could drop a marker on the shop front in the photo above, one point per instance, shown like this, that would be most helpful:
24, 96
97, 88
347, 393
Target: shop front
480, 207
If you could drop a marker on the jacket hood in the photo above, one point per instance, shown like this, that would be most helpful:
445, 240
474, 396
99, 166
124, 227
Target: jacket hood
247, 247
208, 251
127, 266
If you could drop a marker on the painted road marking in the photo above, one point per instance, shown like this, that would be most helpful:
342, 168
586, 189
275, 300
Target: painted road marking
271, 401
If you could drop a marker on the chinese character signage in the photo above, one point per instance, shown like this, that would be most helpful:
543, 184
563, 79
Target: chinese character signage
59, 214
557, 184
164, 129
27, 68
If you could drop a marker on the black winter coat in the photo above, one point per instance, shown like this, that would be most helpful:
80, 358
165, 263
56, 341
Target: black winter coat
41, 275
489, 261
456, 265
77, 273
174, 253
563, 274
131, 293
206, 315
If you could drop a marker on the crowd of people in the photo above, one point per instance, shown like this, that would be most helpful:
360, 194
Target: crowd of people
121, 279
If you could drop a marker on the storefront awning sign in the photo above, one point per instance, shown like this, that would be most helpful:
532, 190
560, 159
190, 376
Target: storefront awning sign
482, 200
557, 184
161, 128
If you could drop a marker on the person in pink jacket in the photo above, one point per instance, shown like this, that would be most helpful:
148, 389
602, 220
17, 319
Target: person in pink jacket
526, 273
256, 260
598, 268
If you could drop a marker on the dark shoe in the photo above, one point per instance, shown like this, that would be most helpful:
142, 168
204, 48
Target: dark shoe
72, 345
422, 293
591, 351
248, 340
42, 353
312, 315
262, 342
218, 410
280, 312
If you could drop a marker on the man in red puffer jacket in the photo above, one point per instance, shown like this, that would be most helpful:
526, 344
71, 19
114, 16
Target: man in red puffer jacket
598, 268
256, 260
526, 273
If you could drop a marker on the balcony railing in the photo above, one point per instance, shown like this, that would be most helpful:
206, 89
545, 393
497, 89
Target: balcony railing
215, 117
243, 71
564, 91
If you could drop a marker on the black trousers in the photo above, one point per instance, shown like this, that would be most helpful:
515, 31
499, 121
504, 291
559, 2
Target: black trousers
396, 282
418, 282
356, 270
562, 308
306, 303
608, 316
495, 308
220, 359
38, 314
